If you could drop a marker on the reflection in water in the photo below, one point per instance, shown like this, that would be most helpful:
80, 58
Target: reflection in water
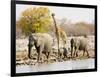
68, 65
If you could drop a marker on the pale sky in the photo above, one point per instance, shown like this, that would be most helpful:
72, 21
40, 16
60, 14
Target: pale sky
70, 13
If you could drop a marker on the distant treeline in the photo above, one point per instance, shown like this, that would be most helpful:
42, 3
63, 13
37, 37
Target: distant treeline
79, 29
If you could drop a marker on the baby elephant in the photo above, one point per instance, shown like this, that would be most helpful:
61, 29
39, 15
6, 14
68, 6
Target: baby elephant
79, 44
43, 44
62, 53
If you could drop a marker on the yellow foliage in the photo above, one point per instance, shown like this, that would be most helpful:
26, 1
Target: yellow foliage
35, 19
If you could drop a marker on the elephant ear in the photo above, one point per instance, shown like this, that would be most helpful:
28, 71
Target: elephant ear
34, 38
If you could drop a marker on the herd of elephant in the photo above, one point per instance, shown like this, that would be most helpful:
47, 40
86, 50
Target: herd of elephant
43, 43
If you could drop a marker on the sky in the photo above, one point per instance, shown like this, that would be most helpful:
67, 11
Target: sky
70, 13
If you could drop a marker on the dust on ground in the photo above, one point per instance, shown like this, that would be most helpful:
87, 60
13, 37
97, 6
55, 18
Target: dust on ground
22, 51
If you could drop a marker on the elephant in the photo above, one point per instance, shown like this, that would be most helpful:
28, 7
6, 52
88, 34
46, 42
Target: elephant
63, 53
79, 44
43, 44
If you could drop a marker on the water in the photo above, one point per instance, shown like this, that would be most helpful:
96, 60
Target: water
67, 65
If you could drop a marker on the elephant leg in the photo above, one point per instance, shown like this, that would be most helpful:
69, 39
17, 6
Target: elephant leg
76, 53
48, 56
65, 53
71, 52
38, 57
83, 53
77, 50
58, 53
39, 54
87, 54
61, 56
29, 51
65, 56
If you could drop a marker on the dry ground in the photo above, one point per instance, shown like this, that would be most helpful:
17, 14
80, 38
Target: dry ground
22, 58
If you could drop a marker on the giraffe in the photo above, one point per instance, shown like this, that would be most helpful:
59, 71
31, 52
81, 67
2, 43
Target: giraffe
60, 35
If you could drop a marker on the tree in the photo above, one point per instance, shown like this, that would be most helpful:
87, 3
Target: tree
34, 20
